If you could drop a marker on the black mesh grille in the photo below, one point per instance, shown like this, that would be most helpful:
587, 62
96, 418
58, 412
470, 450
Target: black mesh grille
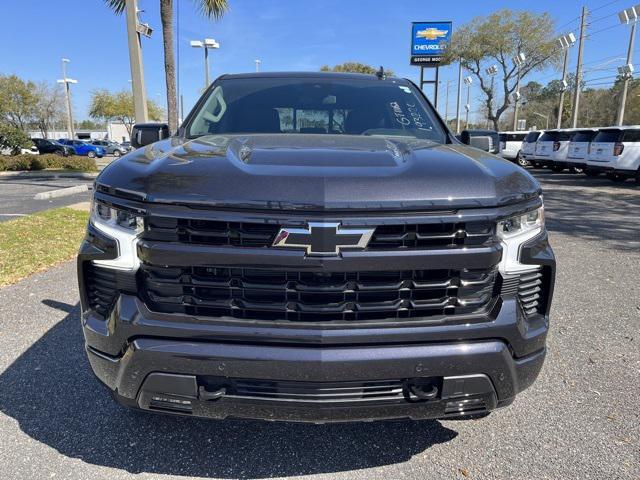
308, 296
386, 237
102, 289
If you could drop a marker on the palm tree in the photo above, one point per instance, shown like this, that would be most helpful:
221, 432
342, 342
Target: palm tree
213, 9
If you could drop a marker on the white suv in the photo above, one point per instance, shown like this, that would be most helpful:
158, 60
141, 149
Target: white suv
552, 147
579, 148
528, 150
616, 152
510, 146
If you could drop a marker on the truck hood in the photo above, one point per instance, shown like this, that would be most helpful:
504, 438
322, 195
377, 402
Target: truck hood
317, 172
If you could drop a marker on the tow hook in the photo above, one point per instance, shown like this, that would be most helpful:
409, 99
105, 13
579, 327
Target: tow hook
204, 394
424, 392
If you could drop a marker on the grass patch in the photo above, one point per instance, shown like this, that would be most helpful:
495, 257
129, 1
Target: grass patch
36, 242
46, 161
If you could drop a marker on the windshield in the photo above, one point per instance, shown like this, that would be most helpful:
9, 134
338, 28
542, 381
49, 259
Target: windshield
315, 106
531, 137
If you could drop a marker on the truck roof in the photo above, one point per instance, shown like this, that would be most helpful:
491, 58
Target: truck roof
319, 75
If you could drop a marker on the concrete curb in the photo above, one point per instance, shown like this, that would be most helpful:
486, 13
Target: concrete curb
46, 174
61, 192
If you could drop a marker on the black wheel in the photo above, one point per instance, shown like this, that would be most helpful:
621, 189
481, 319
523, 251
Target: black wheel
557, 168
116, 153
575, 170
638, 177
60, 153
91, 154
591, 173
616, 177
521, 161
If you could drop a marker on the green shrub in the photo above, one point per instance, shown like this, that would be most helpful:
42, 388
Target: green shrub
46, 161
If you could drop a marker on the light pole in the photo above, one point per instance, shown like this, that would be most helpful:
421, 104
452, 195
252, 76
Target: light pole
207, 43
492, 72
566, 42
518, 60
67, 91
134, 30
629, 15
546, 117
258, 62
468, 81
459, 96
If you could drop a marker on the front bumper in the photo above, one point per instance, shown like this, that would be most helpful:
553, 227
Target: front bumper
182, 364
145, 377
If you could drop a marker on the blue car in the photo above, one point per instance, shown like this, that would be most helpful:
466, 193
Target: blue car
84, 148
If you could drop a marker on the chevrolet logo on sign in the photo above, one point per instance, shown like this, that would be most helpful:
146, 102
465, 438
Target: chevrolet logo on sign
431, 33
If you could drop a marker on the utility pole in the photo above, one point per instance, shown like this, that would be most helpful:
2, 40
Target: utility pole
566, 41
135, 59
630, 15
492, 71
459, 96
518, 60
446, 104
576, 93
67, 92
181, 108
468, 81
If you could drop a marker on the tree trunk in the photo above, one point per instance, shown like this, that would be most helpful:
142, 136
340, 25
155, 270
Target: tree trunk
166, 17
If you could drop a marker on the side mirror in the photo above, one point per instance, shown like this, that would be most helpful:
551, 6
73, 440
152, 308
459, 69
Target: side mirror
486, 140
144, 134
483, 143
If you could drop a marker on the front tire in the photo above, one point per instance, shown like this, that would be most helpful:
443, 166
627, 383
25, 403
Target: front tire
521, 161
591, 173
615, 177
557, 168
116, 153
91, 154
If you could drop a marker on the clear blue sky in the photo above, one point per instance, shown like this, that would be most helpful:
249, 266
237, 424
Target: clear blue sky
284, 34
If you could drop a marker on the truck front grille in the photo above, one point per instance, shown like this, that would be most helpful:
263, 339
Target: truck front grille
316, 296
252, 234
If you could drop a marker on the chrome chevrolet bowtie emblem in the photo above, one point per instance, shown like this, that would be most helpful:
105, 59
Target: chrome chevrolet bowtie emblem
323, 238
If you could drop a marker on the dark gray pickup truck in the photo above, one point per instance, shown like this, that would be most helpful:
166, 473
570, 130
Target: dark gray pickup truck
314, 247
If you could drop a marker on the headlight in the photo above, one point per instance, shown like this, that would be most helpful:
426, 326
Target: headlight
513, 232
521, 224
124, 226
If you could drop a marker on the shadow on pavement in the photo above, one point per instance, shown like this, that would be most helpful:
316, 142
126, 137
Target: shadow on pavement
590, 214
52, 394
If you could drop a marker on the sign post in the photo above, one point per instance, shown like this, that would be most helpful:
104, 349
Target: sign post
429, 41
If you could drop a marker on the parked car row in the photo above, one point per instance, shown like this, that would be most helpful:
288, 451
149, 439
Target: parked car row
66, 147
614, 151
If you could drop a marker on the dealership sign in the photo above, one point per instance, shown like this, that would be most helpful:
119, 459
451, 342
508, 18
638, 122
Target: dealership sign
429, 41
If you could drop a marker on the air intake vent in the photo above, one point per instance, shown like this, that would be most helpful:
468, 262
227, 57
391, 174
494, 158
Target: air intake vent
530, 292
102, 288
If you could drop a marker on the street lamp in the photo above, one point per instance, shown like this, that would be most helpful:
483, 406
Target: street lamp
492, 71
468, 81
207, 43
627, 16
546, 117
518, 60
258, 62
566, 42
66, 81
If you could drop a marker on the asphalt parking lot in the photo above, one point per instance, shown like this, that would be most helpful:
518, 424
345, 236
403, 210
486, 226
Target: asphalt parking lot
17, 194
579, 420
